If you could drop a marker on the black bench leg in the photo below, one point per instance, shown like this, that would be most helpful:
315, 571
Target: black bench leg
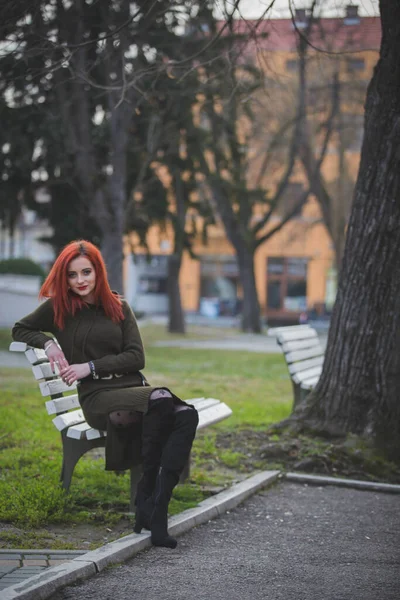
300, 394
296, 394
72, 452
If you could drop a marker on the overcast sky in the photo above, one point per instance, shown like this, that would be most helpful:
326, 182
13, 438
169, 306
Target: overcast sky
331, 8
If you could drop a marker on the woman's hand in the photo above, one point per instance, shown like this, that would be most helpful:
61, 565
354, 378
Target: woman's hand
55, 356
73, 373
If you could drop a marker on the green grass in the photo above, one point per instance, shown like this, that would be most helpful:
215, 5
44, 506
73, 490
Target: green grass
5, 338
150, 333
255, 386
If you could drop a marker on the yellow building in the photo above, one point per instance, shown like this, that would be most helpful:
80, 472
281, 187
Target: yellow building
294, 269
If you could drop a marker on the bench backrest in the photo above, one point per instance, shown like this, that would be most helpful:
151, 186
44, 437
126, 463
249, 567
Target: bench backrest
303, 353
63, 401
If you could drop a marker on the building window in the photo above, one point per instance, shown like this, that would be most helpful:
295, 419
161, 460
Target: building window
355, 64
219, 285
291, 65
301, 18
152, 285
286, 284
351, 17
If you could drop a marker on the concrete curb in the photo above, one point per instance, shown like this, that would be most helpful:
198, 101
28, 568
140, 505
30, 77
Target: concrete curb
42, 586
370, 486
49, 581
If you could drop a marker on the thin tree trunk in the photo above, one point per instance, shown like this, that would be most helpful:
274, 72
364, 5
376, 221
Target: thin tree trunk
176, 317
251, 317
176, 321
251, 320
111, 248
11, 240
2, 240
359, 387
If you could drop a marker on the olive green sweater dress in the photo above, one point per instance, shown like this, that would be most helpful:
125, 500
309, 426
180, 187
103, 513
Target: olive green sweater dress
116, 349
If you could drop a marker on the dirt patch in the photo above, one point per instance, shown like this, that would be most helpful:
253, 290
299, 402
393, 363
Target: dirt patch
82, 536
351, 458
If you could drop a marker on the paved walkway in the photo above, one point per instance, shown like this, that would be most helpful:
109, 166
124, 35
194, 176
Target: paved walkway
292, 542
245, 342
18, 565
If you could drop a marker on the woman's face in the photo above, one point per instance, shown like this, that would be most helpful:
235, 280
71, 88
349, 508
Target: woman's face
82, 278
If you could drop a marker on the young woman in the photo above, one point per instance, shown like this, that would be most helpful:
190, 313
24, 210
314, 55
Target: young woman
99, 347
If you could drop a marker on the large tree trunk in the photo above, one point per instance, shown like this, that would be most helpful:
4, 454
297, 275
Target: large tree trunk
359, 387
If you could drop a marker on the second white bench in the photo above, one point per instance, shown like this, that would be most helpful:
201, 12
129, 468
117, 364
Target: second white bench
304, 357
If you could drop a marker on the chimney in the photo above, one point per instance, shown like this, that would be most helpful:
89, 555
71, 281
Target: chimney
352, 17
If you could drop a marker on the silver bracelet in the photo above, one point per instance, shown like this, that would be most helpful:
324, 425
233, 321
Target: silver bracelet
49, 343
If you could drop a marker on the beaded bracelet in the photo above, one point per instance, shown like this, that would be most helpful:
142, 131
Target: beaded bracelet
93, 370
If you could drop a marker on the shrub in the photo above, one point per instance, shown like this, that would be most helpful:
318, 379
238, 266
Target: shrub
21, 266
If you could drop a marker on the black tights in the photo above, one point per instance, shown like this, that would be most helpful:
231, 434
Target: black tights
162, 437
167, 436
125, 418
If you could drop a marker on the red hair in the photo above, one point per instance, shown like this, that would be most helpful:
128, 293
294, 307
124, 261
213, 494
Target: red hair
66, 303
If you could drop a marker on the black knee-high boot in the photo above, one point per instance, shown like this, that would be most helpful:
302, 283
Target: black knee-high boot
156, 426
174, 456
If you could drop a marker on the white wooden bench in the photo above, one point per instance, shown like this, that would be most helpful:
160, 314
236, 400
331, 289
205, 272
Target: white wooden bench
304, 357
76, 435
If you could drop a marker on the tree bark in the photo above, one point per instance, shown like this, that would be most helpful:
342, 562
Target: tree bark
176, 317
359, 388
251, 320
111, 248
176, 321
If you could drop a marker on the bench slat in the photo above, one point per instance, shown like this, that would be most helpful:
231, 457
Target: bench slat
55, 386
84, 431
93, 434
202, 403
295, 355
274, 331
36, 356
18, 347
299, 334
310, 383
68, 419
59, 405
213, 415
44, 371
308, 374
304, 365
300, 344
